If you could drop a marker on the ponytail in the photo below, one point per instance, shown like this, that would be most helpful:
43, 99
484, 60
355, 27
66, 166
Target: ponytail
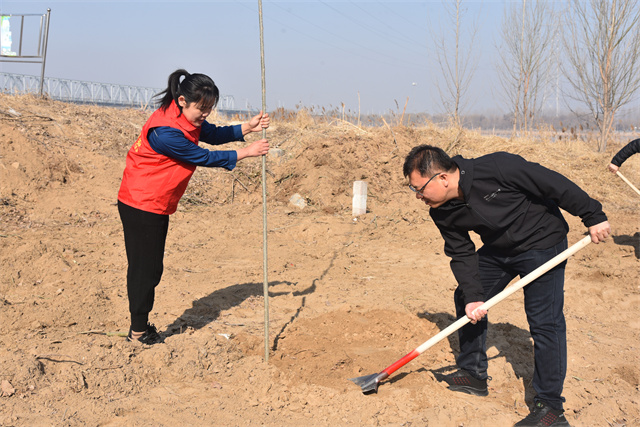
198, 88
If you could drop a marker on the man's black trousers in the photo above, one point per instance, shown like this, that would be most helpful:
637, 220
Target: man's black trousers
543, 305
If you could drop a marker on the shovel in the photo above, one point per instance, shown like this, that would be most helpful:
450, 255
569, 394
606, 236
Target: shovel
628, 182
369, 383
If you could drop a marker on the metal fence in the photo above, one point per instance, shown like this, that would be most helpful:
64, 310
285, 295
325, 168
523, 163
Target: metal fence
84, 92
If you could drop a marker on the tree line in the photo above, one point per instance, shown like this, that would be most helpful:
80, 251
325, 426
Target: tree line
586, 51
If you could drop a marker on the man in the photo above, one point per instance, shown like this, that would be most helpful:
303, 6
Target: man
513, 205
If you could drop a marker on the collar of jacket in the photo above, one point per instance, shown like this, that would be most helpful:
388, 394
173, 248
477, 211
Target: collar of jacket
465, 166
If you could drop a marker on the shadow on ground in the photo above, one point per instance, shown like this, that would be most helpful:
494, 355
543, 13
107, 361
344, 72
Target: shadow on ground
207, 309
512, 343
633, 241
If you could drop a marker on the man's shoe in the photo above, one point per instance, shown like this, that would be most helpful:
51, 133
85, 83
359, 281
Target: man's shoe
149, 337
464, 382
543, 415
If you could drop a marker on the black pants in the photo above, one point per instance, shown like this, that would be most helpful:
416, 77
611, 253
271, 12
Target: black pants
543, 304
145, 234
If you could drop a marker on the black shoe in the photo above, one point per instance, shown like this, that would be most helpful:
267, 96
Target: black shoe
464, 382
149, 337
544, 415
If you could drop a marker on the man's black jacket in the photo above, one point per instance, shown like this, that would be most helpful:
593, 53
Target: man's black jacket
512, 204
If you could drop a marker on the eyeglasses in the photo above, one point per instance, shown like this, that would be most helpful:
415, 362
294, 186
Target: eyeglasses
419, 191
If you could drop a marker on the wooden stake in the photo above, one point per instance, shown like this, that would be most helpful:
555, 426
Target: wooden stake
265, 285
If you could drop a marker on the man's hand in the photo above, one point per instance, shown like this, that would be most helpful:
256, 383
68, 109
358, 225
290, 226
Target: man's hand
613, 168
599, 232
478, 315
256, 124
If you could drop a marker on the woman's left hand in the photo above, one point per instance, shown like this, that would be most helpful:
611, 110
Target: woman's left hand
256, 124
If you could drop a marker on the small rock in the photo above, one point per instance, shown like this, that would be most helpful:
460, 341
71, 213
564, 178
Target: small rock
276, 152
6, 389
298, 201
36, 325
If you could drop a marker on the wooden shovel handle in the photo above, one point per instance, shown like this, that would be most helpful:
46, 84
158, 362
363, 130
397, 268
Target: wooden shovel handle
507, 291
628, 182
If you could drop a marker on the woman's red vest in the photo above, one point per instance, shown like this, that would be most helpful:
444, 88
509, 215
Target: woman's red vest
151, 181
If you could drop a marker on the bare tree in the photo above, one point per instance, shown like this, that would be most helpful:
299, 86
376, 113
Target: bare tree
603, 52
457, 64
528, 32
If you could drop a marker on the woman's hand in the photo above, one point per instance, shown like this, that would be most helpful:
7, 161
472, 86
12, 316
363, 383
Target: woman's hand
256, 149
256, 124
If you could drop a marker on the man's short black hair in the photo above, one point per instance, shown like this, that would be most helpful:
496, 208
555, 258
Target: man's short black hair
427, 159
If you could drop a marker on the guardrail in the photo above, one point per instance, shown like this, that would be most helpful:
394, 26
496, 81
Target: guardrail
85, 92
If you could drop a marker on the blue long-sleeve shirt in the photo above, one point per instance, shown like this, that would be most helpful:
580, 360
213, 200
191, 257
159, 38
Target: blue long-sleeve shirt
171, 142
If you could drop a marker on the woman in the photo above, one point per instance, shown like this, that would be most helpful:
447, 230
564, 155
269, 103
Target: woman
159, 166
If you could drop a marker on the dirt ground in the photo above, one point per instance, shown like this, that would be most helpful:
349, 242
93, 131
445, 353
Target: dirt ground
347, 296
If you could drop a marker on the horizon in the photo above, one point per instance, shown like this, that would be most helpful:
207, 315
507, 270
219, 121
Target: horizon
501, 124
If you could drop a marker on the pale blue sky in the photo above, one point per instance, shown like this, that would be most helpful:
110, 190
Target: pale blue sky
317, 53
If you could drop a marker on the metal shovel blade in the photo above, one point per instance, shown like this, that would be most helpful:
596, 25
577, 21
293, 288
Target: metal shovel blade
369, 383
